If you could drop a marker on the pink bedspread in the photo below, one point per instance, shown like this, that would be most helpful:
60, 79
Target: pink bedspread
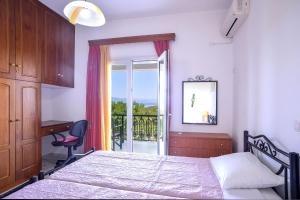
54, 189
118, 175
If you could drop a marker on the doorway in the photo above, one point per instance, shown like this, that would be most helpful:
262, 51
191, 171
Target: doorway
140, 105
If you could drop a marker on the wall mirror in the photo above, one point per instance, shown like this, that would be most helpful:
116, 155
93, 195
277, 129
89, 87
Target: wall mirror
199, 102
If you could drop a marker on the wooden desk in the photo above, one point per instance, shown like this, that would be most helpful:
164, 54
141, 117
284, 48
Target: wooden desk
50, 127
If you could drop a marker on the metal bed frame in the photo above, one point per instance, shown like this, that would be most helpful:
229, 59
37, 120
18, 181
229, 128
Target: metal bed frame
289, 169
260, 143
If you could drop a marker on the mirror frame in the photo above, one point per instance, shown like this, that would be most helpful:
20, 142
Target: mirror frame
184, 82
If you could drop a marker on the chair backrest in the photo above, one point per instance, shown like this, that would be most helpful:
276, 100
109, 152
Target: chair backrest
79, 130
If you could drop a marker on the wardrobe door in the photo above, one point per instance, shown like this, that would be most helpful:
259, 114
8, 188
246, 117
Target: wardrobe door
28, 40
28, 159
7, 132
7, 39
50, 72
67, 48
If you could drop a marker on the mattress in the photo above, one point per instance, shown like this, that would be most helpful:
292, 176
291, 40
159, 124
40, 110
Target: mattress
56, 189
139, 176
178, 177
268, 193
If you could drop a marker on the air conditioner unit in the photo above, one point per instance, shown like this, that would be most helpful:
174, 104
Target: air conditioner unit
236, 16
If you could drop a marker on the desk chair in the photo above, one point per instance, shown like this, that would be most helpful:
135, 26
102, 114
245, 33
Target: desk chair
73, 140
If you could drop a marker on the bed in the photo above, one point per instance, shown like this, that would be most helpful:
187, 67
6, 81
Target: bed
109, 175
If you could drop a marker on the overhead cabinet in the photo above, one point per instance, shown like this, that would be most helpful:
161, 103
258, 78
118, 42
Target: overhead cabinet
7, 39
58, 67
20, 41
37, 44
28, 40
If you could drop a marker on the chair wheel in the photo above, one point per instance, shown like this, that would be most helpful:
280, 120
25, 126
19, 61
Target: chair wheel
59, 162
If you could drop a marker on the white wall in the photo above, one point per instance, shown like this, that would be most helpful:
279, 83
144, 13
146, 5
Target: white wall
267, 68
191, 54
266, 58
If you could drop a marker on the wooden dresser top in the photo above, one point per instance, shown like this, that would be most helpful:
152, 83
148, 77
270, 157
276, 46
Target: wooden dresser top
200, 135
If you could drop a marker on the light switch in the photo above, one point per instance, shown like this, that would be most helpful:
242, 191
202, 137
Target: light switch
297, 126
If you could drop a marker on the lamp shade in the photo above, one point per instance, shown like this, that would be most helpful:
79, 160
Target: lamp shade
84, 13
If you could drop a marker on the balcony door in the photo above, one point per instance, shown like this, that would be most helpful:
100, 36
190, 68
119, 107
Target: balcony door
163, 104
139, 105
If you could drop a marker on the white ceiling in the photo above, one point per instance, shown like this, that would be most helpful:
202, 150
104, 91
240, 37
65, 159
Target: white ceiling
120, 9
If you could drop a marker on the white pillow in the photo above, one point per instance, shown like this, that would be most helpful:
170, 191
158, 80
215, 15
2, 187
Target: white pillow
244, 171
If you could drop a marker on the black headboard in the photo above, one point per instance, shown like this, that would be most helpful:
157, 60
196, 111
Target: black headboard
263, 144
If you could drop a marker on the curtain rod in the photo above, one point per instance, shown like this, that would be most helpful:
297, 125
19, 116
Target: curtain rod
134, 39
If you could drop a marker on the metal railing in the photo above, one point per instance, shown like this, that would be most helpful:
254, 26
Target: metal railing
144, 129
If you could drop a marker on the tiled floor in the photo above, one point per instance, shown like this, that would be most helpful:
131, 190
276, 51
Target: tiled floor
140, 147
49, 160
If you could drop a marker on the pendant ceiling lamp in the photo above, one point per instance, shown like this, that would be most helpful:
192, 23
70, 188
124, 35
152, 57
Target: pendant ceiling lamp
84, 13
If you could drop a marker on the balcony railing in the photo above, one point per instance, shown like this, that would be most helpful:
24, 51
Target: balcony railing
144, 129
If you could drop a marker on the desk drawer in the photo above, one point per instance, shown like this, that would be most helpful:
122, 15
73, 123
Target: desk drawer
56, 129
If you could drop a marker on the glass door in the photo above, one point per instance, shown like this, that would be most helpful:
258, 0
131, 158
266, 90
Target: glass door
163, 109
140, 105
120, 106
145, 106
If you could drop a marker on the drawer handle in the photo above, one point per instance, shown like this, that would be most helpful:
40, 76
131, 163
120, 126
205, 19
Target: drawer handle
68, 126
18, 68
11, 121
52, 130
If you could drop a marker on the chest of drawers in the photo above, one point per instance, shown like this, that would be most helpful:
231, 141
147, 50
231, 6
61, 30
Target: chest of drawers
202, 145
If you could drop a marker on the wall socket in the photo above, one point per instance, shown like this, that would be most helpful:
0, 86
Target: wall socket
297, 126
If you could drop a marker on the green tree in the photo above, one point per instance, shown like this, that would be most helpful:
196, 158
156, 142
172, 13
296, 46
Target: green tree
119, 108
138, 109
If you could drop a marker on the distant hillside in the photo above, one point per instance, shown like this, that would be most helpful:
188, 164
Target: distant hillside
146, 102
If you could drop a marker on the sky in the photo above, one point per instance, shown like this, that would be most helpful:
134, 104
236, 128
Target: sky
144, 84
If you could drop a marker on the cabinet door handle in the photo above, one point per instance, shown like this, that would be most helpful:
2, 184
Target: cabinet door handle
58, 75
12, 64
18, 67
17, 120
62, 75
11, 121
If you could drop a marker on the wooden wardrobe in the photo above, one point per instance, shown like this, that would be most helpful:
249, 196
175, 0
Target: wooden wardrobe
25, 53
19, 131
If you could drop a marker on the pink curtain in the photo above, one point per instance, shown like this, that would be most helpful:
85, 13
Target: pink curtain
93, 137
160, 47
